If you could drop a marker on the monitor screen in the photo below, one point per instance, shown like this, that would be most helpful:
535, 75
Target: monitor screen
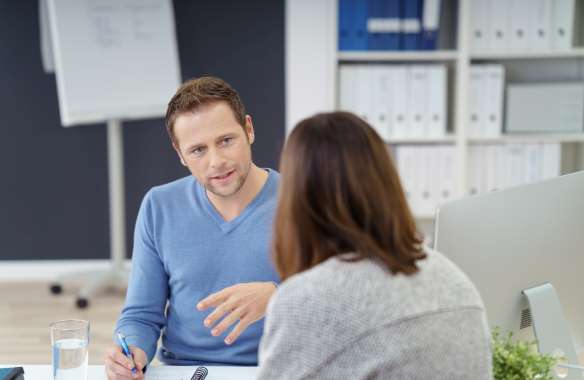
519, 238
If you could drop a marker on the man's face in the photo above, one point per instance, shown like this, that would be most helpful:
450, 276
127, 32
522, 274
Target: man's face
215, 148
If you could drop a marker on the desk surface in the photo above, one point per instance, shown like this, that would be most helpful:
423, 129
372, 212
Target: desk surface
96, 372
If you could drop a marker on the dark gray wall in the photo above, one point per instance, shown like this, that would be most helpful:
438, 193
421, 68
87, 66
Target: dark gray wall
53, 181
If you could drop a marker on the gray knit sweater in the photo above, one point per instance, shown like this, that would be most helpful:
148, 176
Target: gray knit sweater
343, 320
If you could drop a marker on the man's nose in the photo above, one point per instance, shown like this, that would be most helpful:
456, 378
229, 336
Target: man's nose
216, 159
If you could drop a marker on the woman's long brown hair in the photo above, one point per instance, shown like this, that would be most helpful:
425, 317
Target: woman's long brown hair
340, 193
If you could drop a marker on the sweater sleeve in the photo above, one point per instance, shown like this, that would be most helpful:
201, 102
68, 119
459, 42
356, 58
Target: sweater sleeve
143, 314
275, 347
291, 343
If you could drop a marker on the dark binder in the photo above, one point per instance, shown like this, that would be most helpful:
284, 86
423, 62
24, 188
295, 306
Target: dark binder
16, 373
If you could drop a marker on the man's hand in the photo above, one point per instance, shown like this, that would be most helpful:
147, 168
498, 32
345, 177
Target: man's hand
245, 303
119, 367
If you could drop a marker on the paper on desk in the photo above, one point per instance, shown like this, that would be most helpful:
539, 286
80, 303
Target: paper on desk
170, 373
215, 373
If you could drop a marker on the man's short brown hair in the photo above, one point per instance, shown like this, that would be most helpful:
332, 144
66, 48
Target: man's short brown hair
202, 91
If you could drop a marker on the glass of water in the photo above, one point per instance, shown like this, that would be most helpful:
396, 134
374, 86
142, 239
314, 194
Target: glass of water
70, 340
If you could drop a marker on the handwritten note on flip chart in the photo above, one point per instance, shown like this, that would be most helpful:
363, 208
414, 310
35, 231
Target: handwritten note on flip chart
113, 59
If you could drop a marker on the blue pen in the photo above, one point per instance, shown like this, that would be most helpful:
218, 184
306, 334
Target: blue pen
126, 349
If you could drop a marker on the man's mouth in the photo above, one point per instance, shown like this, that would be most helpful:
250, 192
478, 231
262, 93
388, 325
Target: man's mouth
223, 176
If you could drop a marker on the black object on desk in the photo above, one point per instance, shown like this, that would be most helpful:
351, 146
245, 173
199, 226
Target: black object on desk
16, 373
200, 373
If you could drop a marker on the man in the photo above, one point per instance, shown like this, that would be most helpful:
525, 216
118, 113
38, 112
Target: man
201, 261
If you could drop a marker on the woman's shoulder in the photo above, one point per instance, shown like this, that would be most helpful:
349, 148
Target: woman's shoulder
326, 276
438, 283
317, 289
446, 284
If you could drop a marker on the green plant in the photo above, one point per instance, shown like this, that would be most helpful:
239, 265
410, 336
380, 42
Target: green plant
517, 360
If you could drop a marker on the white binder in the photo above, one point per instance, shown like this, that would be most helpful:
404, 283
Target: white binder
493, 100
517, 165
491, 152
400, 90
414, 176
388, 76
533, 162
424, 158
477, 107
540, 19
499, 17
436, 113
551, 160
479, 25
380, 82
364, 101
406, 168
446, 173
483, 157
519, 24
347, 95
417, 100
502, 163
434, 176
474, 170
563, 13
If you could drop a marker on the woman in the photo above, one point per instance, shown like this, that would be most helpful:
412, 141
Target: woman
362, 298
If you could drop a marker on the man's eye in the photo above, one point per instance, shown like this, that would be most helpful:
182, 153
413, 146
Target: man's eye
227, 140
197, 151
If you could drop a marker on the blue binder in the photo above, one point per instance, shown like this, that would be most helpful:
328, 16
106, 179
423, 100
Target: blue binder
412, 11
429, 37
394, 11
359, 24
345, 32
376, 9
428, 40
388, 11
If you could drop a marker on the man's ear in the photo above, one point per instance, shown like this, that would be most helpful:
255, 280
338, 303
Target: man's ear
180, 157
249, 129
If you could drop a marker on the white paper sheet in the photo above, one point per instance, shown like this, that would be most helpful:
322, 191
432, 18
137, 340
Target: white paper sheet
215, 373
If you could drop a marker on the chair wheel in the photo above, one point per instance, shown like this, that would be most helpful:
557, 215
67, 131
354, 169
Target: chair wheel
82, 303
56, 289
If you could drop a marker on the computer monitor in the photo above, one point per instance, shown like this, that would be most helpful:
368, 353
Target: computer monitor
515, 239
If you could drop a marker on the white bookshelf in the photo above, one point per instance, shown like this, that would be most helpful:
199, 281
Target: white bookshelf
448, 139
528, 66
530, 139
504, 56
397, 56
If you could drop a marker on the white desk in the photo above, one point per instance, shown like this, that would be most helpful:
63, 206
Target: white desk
96, 372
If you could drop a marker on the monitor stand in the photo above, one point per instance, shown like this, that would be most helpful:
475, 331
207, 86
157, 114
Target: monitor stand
551, 329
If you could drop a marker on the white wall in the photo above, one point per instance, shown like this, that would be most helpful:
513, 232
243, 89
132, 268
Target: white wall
311, 45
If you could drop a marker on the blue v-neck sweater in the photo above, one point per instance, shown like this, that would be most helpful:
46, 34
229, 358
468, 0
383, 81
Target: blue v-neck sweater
184, 251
